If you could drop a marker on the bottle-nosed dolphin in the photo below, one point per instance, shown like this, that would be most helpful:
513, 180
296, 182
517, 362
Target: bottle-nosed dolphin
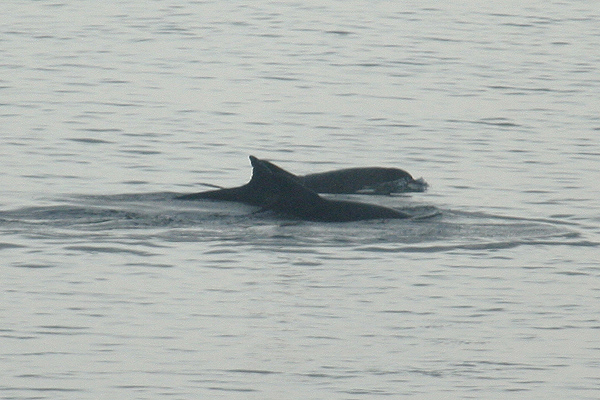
293, 198
273, 188
369, 180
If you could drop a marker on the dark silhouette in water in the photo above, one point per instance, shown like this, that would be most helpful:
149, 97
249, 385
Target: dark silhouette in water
371, 180
273, 188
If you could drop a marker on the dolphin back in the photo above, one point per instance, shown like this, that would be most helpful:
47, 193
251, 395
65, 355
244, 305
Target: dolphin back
294, 198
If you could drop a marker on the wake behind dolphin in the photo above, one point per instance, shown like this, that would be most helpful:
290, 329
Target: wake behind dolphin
273, 188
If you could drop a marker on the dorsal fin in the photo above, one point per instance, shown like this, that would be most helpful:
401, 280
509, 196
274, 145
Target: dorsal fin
285, 191
284, 180
260, 172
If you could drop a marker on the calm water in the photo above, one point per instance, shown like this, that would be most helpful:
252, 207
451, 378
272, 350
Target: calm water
111, 289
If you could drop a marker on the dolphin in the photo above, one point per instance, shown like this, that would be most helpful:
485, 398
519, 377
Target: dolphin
293, 198
367, 180
273, 188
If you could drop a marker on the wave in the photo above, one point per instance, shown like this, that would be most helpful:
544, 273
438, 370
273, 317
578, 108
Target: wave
159, 216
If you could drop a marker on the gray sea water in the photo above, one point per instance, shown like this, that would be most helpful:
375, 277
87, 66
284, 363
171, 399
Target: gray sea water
111, 289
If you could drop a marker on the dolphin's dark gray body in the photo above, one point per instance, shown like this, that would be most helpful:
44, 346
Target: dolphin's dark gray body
258, 192
370, 180
273, 188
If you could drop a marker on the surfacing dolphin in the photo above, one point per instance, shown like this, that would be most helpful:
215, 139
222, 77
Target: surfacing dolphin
293, 198
273, 188
369, 180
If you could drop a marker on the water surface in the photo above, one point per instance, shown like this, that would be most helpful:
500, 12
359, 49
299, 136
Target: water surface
112, 289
